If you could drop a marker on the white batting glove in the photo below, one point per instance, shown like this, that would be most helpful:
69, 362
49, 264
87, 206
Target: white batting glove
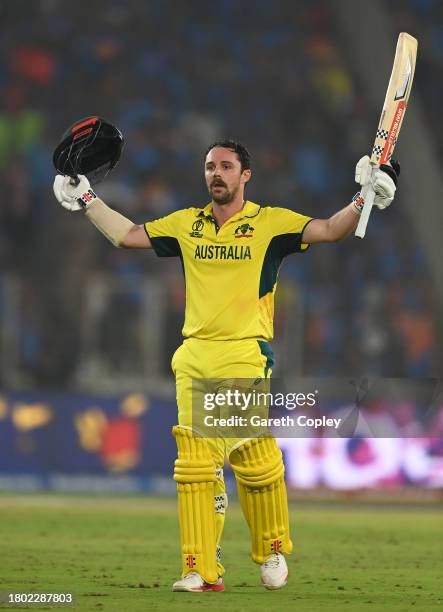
73, 197
382, 181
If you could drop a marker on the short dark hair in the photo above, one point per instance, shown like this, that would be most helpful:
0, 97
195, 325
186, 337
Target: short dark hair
237, 147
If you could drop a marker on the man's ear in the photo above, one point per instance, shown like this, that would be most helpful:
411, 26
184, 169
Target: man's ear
246, 175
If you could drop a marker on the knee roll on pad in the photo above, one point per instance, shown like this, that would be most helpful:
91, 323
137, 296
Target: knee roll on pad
259, 470
194, 473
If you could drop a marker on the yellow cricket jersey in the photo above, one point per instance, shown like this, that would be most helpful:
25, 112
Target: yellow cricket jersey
231, 272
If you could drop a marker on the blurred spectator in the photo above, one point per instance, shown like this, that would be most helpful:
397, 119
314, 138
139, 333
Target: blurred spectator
174, 76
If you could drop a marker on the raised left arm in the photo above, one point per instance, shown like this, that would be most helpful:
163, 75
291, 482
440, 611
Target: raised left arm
340, 225
343, 222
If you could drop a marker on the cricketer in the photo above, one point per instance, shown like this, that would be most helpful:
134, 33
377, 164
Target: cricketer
231, 250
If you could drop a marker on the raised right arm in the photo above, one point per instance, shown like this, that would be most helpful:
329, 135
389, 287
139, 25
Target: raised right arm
119, 230
136, 238
122, 232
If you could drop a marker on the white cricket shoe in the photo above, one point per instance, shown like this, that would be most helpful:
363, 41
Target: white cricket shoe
194, 582
274, 572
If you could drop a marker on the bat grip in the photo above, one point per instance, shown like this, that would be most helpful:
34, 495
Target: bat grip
368, 194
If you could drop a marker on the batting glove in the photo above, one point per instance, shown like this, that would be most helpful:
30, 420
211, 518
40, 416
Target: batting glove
383, 179
73, 197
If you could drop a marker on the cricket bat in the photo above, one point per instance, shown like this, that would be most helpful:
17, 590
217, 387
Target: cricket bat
391, 119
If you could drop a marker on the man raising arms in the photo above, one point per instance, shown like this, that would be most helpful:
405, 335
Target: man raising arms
231, 251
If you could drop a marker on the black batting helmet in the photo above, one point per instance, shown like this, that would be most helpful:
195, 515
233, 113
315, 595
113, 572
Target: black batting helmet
92, 146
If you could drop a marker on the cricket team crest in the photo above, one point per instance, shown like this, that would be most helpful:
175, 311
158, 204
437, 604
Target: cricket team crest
244, 231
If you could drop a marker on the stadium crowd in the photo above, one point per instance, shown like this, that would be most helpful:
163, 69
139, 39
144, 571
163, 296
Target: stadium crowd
174, 76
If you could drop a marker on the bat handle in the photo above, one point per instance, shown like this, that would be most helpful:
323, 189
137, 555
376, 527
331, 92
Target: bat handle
368, 194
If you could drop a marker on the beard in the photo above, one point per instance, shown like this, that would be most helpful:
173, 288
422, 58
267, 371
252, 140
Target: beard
224, 197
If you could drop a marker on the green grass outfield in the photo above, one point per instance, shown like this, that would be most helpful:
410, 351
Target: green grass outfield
122, 554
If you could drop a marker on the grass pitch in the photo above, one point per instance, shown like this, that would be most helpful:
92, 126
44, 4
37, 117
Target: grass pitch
122, 554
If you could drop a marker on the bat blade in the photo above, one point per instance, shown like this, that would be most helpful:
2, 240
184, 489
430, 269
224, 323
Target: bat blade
396, 100
392, 115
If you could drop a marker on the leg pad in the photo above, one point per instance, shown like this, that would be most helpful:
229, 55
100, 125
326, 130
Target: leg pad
259, 470
194, 473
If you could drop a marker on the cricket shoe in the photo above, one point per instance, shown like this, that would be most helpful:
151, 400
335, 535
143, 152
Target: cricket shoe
194, 582
274, 572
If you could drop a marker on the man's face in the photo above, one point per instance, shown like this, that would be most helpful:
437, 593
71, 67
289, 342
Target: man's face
223, 175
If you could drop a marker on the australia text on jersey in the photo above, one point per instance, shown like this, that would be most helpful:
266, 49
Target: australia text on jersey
218, 251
